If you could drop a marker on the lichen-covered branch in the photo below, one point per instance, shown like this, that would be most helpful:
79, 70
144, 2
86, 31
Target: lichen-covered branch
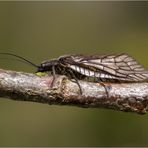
131, 97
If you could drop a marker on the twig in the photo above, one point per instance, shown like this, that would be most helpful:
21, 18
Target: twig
131, 97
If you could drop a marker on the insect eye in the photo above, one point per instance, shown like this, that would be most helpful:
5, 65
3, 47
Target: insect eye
61, 59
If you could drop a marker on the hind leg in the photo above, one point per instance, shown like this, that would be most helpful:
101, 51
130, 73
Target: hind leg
106, 87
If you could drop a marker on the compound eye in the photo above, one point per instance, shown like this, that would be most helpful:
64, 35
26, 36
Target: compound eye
61, 59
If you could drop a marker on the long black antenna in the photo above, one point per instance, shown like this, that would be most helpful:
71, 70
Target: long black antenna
20, 58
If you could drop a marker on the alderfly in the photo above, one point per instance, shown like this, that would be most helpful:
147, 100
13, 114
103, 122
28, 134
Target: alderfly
103, 68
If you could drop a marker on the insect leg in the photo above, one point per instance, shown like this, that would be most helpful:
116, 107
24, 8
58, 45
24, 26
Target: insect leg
105, 87
54, 76
76, 80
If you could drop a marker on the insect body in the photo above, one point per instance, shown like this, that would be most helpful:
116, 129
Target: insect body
116, 68
106, 67
111, 68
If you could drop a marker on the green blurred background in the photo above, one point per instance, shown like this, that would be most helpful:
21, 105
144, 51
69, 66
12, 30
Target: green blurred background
45, 30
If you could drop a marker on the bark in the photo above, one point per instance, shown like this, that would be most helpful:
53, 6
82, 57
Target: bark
132, 97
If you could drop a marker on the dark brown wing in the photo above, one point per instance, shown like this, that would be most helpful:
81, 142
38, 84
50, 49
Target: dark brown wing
120, 67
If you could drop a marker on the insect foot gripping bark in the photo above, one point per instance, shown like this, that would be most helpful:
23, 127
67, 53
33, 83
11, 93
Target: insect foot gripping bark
120, 68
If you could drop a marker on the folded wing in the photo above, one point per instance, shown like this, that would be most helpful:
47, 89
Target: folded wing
120, 67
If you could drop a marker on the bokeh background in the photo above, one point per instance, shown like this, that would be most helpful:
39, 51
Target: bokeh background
45, 30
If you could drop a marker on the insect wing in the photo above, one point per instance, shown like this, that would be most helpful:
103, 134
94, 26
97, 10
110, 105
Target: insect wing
121, 67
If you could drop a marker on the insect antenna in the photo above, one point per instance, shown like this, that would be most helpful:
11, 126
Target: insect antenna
27, 61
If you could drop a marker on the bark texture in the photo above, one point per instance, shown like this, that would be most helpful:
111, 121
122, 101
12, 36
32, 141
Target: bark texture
131, 97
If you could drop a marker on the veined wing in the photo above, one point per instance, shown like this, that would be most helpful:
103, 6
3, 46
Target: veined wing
120, 67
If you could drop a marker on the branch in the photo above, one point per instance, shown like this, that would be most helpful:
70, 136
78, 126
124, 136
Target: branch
131, 97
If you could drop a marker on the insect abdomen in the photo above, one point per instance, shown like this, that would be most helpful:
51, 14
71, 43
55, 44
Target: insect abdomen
131, 77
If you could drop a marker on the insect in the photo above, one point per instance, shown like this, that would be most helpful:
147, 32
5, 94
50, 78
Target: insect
103, 68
